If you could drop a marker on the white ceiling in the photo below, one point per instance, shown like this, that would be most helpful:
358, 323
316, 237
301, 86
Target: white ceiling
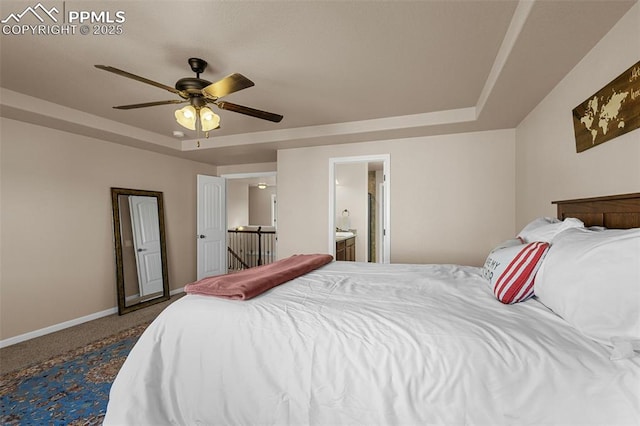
339, 71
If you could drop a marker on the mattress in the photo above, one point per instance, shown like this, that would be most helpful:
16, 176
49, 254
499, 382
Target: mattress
357, 343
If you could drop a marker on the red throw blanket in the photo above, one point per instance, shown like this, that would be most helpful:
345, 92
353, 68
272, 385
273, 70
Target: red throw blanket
254, 281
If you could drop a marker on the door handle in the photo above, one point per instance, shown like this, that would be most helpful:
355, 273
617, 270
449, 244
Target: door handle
141, 249
202, 236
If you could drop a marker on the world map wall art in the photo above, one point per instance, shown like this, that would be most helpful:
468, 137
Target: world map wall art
613, 111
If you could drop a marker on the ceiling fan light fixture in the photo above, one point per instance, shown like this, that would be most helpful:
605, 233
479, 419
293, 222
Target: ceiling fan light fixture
208, 119
186, 117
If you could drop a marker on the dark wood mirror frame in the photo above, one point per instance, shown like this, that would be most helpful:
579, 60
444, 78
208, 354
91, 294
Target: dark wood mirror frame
123, 307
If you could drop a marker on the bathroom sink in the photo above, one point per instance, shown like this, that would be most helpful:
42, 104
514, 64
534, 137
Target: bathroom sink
344, 234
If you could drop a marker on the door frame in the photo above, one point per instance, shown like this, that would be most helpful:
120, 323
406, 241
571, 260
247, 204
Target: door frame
385, 159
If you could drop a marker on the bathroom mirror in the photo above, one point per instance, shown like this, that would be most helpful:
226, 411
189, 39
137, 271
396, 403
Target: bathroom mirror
140, 248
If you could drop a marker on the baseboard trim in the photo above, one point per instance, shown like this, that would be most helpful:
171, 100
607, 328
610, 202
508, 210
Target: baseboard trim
61, 326
56, 327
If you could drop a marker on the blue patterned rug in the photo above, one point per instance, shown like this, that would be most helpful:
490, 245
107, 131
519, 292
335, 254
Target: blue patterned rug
70, 389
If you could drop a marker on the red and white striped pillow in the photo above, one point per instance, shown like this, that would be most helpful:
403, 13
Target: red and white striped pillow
513, 270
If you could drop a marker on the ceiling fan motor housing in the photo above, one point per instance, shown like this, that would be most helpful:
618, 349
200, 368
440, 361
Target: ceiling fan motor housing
197, 65
192, 85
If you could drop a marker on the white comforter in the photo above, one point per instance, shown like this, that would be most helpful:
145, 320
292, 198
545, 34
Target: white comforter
371, 344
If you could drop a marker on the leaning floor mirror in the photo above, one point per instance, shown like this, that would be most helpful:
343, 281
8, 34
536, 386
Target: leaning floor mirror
140, 248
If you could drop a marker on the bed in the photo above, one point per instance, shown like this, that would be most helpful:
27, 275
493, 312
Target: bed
373, 344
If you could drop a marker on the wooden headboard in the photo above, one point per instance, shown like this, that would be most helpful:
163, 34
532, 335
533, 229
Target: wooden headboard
614, 211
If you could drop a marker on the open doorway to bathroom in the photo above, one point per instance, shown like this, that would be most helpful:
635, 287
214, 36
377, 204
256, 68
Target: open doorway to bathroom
359, 208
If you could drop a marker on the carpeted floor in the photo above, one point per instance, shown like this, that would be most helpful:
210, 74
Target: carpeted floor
68, 389
64, 378
36, 350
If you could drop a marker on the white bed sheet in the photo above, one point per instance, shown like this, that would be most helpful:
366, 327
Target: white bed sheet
369, 344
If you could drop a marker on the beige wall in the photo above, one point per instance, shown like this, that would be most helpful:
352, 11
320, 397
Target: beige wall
452, 196
237, 203
260, 205
548, 167
57, 239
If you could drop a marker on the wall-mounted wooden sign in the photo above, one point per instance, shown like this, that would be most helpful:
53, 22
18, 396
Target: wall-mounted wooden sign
613, 111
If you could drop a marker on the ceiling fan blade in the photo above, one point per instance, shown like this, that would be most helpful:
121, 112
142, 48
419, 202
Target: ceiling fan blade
276, 118
138, 78
149, 104
229, 84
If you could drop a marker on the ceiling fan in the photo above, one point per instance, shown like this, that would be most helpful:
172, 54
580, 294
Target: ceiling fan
198, 93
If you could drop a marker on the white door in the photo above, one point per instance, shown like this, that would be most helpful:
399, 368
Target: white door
212, 226
146, 243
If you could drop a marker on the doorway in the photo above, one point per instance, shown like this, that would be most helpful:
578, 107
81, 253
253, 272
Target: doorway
251, 199
251, 219
359, 204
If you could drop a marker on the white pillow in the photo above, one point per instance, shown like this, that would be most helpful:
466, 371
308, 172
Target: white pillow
592, 280
537, 223
545, 228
